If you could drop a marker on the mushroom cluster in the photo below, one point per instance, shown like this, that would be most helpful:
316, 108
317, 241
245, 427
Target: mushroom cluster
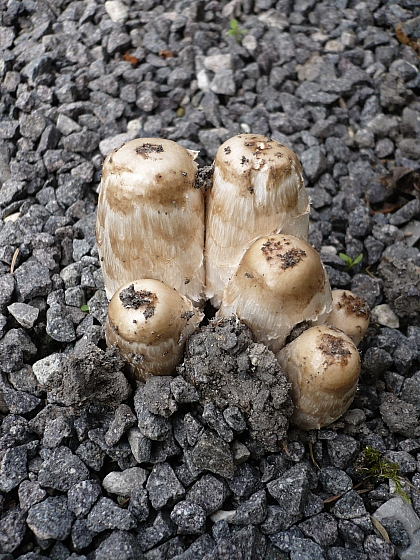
166, 247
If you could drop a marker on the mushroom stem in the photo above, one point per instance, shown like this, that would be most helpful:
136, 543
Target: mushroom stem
257, 190
150, 323
150, 220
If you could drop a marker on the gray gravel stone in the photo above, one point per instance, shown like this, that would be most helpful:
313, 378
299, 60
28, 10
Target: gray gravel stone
7, 286
290, 491
153, 426
139, 505
342, 450
51, 519
211, 453
158, 397
223, 82
350, 506
105, 514
335, 481
120, 545
253, 511
400, 417
13, 468
189, 517
12, 529
123, 483
123, 420
62, 470
10, 191
321, 528
140, 445
82, 496
246, 544
313, 162
81, 536
209, 492
59, 324
376, 547
30, 493
25, 315
163, 486
32, 280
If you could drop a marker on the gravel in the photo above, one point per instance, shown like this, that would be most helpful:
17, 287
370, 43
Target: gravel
199, 465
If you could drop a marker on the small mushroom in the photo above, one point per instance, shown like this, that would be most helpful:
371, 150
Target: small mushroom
323, 366
150, 220
279, 283
257, 190
350, 314
150, 322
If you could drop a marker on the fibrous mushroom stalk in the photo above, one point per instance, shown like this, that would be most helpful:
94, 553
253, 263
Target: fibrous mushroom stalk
257, 190
150, 220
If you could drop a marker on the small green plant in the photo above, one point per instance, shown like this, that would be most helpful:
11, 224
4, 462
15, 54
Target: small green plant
85, 308
372, 463
235, 31
349, 261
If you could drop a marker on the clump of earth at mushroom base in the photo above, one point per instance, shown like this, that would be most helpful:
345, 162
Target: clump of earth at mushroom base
89, 376
229, 369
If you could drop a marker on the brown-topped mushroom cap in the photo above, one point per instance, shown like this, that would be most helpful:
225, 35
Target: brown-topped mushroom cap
323, 366
350, 314
149, 322
279, 283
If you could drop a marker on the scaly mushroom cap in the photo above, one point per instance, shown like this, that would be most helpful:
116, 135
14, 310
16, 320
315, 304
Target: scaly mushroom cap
350, 314
150, 322
279, 283
323, 366
150, 220
257, 190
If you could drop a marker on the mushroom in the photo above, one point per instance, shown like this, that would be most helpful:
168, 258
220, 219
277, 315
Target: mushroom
150, 220
257, 190
150, 322
279, 283
323, 366
350, 314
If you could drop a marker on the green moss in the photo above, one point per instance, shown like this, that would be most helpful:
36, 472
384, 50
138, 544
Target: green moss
372, 463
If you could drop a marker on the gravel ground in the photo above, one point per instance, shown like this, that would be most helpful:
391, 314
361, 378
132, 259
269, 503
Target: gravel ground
91, 467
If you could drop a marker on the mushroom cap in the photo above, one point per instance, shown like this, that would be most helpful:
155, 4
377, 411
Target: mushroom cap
150, 221
350, 314
149, 322
257, 190
279, 283
323, 366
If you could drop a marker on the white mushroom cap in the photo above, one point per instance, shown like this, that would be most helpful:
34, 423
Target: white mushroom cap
150, 322
350, 314
150, 220
279, 283
323, 366
257, 190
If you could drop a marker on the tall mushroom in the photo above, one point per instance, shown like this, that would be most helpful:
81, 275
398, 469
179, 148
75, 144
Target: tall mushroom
323, 366
279, 283
150, 322
257, 190
150, 220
